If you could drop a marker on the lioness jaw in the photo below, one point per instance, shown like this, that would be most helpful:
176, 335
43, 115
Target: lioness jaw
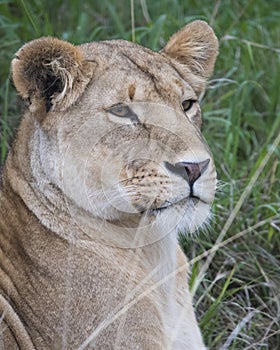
107, 166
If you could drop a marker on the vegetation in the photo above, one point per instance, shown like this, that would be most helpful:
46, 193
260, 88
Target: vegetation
236, 264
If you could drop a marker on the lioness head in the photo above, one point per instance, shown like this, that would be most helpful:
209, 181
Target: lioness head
117, 128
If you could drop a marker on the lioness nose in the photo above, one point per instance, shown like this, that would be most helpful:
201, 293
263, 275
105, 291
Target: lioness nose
190, 171
194, 170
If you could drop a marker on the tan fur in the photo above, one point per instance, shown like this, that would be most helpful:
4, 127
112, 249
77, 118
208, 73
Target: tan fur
95, 189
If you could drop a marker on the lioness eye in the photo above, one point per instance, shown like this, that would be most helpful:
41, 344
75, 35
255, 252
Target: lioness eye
124, 112
121, 111
187, 105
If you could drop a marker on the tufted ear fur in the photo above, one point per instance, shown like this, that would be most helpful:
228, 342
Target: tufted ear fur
196, 47
50, 74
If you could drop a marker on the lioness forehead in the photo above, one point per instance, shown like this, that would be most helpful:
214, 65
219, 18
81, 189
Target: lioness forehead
119, 51
127, 61
124, 55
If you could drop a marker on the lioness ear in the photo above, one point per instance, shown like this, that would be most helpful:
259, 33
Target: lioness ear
196, 47
50, 73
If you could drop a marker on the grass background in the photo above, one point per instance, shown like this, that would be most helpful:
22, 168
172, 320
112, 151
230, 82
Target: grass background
236, 264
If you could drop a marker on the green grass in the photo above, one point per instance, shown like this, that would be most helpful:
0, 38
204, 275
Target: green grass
236, 265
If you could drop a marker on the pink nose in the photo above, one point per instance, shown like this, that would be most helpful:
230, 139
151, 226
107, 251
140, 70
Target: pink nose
190, 171
194, 170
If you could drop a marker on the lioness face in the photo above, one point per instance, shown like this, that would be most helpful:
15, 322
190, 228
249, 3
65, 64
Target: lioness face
124, 145
140, 158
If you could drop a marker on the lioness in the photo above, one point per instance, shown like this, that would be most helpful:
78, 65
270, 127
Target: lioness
108, 165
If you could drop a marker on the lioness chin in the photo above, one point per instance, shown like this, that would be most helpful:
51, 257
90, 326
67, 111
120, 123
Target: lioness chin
107, 166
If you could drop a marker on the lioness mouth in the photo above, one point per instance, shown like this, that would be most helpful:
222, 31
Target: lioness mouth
168, 205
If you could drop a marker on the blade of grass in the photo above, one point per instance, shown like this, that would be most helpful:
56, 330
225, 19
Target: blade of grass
116, 19
132, 20
217, 303
155, 32
30, 17
238, 329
